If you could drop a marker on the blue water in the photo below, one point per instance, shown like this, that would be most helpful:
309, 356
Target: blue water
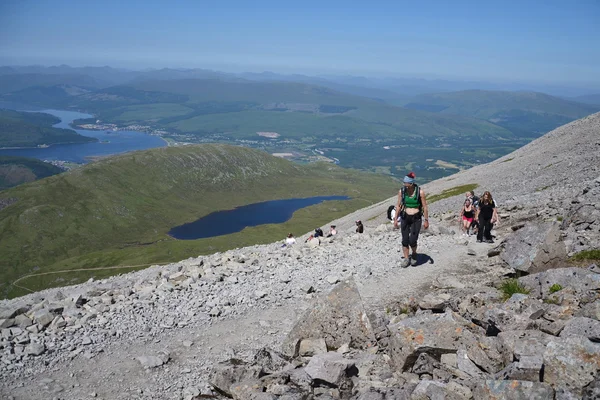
231, 221
117, 142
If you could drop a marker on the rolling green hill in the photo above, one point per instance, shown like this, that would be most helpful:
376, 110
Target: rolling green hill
118, 211
17, 170
25, 129
523, 113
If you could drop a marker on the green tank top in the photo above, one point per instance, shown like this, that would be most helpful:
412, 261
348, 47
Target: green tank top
411, 201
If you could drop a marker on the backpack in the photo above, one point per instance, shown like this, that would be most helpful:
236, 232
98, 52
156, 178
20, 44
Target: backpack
389, 212
318, 232
418, 191
475, 201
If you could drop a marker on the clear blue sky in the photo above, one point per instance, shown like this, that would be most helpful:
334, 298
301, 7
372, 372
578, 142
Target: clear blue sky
551, 41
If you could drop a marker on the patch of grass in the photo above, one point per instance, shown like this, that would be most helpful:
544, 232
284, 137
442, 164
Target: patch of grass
541, 189
587, 255
508, 159
455, 191
559, 218
555, 288
512, 286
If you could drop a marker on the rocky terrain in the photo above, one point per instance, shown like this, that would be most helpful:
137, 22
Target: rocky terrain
339, 318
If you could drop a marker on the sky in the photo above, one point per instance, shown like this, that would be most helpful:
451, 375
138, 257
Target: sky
538, 41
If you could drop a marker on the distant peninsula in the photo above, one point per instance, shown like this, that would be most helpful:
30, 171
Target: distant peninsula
20, 129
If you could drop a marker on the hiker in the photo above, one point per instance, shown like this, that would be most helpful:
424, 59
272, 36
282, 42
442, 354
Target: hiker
475, 203
318, 233
486, 214
290, 239
332, 231
359, 227
412, 207
467, 216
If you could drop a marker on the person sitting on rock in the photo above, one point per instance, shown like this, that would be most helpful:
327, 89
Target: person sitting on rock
412, 206
487, 214
290, 240
318, 233
467, 215
359, 227
332, 231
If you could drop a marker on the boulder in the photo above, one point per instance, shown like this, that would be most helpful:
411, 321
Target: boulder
528, 368
581, 326
154, 361
232, 372
311, 347
590, 310
271, 361
434, 301
43, 317
535, 248
467, 366
592, 391
339, 318
426, 390
435, 334
578, 279
514, 345
331, 368
35, 349
571, 363
513, 390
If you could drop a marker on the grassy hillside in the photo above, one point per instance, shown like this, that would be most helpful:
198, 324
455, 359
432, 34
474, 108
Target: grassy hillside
523, 113
24, 129
120, 209
17, 170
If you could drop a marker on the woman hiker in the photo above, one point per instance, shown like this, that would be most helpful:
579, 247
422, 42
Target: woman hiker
413, 207
487, 214
467, 215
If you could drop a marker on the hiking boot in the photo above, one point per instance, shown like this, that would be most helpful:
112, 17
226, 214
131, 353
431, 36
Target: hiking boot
405, 262
478, 240
413, 260
489, 241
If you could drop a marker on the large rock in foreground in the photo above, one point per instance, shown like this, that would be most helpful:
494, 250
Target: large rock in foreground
435, 334
339, 318
535, 248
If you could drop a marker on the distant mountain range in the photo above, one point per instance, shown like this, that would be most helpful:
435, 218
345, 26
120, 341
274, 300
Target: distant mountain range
117, 211
358, 122
524, 113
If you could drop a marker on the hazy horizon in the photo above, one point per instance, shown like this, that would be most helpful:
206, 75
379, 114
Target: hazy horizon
518, 42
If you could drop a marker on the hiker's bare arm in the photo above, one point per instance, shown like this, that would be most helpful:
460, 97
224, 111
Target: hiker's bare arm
425, 209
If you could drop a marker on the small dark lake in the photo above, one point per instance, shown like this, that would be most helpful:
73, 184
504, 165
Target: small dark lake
231, 221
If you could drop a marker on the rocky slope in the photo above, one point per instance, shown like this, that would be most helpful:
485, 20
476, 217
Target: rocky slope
438, 330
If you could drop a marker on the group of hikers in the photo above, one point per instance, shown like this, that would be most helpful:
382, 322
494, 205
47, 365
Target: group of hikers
290, 239
477, 215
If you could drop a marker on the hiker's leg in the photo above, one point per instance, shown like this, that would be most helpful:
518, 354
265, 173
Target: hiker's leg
487, 229
405, 230
480, 229
414, 235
